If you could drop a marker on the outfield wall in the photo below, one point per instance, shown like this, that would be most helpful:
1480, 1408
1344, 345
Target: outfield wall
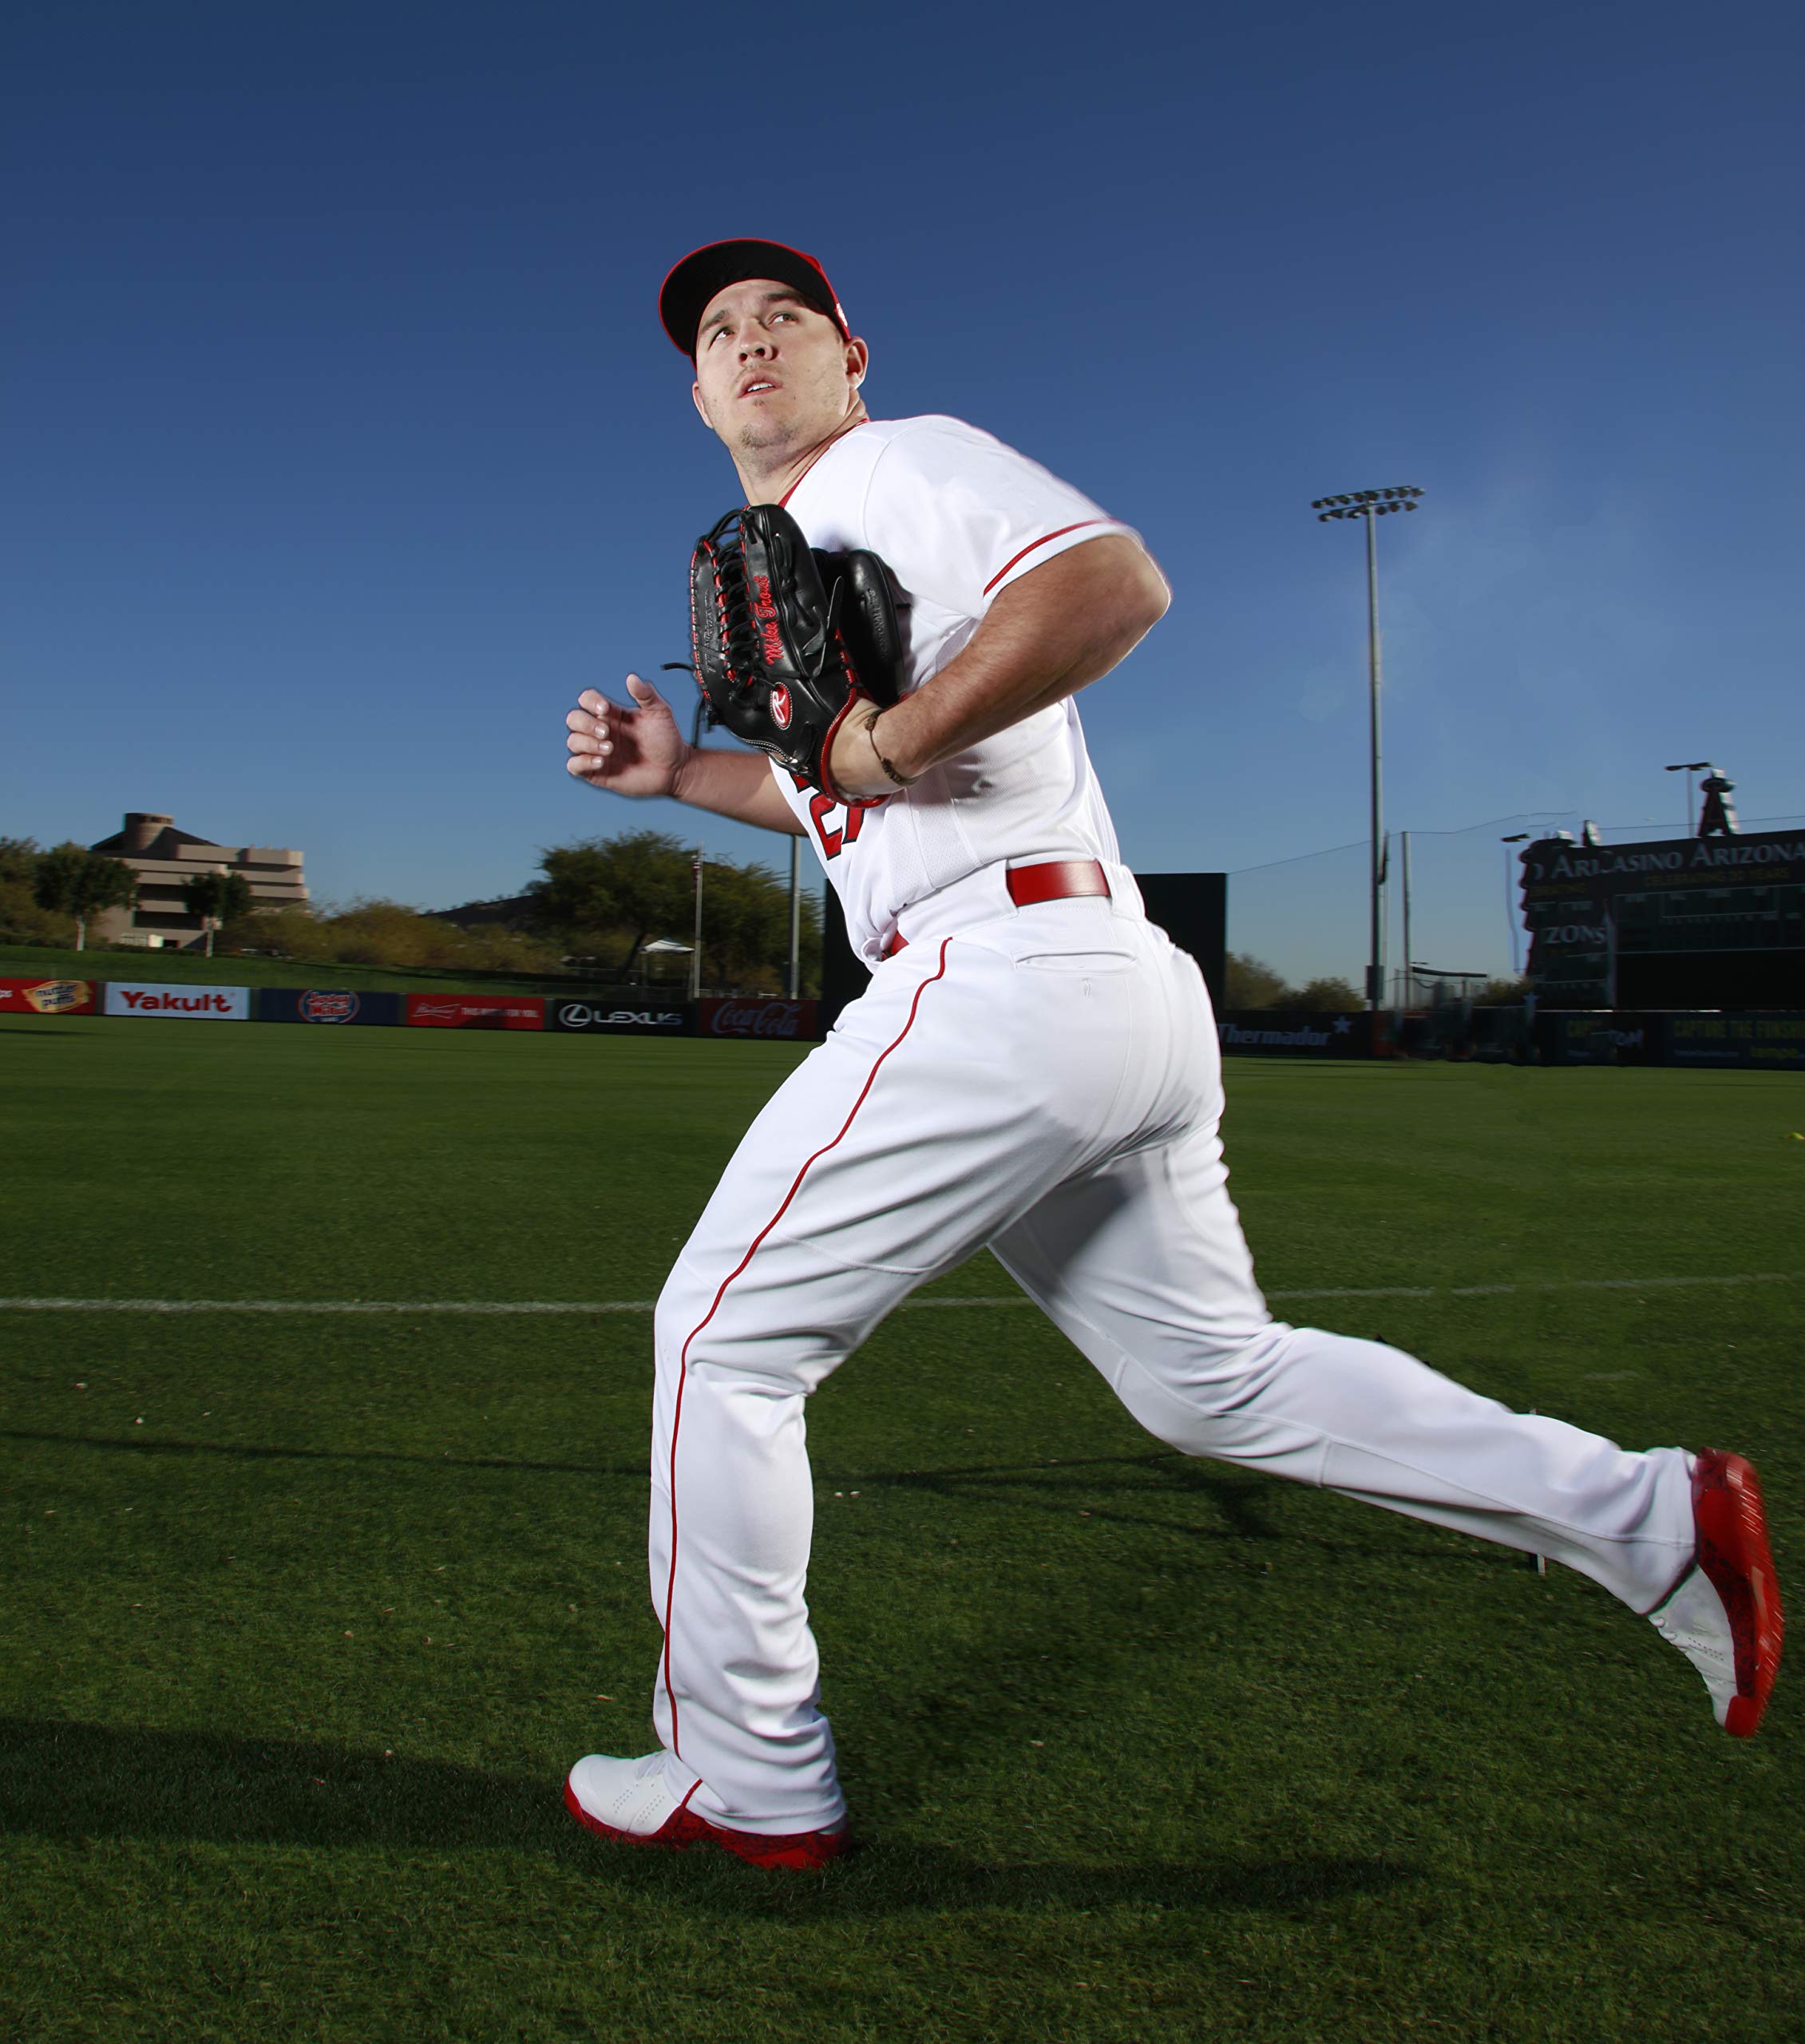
1771, 1041
762, 1016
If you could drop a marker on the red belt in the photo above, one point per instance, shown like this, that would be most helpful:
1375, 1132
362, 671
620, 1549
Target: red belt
1057, 880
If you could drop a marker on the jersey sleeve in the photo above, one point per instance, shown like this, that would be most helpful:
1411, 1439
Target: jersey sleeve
958, 517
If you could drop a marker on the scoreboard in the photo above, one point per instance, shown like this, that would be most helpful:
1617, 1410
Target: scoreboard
1674, 923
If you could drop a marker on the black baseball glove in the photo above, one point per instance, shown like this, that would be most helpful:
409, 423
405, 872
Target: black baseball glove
788, 639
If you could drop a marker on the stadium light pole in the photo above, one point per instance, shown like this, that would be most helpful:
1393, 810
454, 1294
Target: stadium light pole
1370, 506
1689, 767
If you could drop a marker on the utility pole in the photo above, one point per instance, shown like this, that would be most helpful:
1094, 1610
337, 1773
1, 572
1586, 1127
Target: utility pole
1409, 999
695, 945
795, 918
1370, 505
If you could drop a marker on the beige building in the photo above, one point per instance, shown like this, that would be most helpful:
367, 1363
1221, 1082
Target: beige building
163, 857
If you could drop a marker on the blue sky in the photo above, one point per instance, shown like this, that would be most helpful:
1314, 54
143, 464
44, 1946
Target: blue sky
342, 445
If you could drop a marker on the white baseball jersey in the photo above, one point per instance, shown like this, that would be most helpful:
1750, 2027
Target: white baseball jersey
956, 516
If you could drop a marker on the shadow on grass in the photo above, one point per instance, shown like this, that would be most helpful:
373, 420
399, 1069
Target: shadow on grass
73, 1781
1243, 1502
250, 1452
1233, 1496
1166, 1472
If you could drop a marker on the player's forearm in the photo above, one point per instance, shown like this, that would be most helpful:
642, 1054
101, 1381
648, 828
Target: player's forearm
735, 784
1063, 625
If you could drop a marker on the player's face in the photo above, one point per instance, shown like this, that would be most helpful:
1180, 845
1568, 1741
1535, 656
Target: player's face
771, 372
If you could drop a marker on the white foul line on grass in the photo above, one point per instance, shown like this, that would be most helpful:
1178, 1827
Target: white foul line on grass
497, 1307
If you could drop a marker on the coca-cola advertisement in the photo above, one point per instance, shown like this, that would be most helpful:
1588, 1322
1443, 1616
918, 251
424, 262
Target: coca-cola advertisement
473, 1010
756, 1015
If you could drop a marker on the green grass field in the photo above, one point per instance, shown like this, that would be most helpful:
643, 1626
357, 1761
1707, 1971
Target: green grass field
307, 1613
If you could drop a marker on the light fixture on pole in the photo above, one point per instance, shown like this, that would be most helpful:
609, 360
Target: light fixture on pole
1370, 506
1515, 838
1689, 767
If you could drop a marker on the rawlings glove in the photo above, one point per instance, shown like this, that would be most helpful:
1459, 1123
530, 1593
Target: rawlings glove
788, 639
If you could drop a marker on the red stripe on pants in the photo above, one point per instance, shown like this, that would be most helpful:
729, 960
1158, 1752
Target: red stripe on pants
682, 1359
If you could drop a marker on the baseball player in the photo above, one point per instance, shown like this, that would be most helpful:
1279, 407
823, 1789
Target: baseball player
1034, 1068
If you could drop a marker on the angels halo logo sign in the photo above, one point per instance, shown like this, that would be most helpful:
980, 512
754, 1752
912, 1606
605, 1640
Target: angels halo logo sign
780, 707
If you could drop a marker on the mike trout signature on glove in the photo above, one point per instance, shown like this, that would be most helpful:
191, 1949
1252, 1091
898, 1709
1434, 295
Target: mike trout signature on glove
788, 638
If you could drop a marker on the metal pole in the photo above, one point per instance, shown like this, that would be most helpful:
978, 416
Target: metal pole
1408, 970
1510, 917
695, 947
1376, 982
795, 918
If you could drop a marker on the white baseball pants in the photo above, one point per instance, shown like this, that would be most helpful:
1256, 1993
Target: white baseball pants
1046, 1080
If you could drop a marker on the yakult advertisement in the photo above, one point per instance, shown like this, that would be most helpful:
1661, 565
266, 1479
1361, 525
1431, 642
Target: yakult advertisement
191, 1004
786, 1021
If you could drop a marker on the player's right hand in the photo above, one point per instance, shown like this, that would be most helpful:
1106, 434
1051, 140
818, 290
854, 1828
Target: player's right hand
636, 750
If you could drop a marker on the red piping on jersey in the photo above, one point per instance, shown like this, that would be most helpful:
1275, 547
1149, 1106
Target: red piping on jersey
682, 1359
783, 501
1045, 540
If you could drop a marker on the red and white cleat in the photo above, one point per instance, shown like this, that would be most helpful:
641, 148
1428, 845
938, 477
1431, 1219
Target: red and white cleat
1724, 1615
629, 1800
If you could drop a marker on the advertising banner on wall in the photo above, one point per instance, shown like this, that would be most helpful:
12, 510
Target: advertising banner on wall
620, 1018
475, 1010
326, 1005
1757, 1042
789, 1021
47, 997
1619, 1035
1275, 1032
188, 1004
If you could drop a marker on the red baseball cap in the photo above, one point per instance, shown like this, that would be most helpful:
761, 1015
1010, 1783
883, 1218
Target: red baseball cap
686, 292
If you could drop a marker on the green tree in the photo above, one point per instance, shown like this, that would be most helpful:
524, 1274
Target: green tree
616, 894
72, 881
1328, 996
1252, 983
215, 897
1503, 993
641, 885
745, 927
22, 920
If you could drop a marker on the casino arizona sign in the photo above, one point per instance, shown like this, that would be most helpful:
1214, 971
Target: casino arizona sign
1708, 855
